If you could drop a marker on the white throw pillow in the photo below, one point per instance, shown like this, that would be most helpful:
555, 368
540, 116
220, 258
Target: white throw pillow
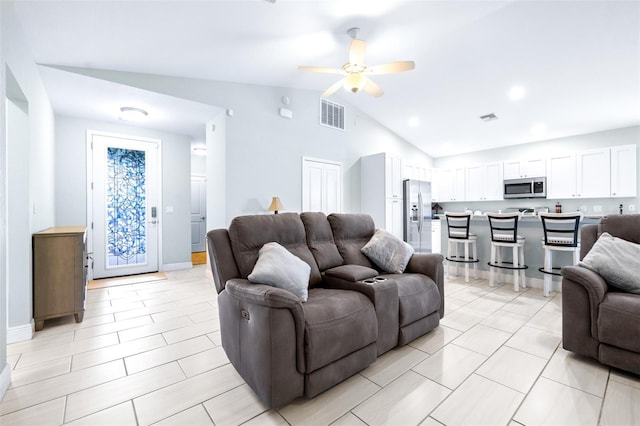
277, 267
617, 261
388, 252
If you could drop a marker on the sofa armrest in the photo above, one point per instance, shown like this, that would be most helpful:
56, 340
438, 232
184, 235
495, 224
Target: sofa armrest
593, 284
383, 293
430, 265
274, 298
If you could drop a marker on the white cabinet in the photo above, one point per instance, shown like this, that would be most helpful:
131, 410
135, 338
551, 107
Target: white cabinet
393, 176
410, 171
516, 169
484, 182
451, 186
393, 217
381, 191
561, 176
593, 173
624, 171
436, 183
436, 236
584, 174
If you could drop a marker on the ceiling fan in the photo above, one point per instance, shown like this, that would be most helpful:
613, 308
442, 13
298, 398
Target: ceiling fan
356, 72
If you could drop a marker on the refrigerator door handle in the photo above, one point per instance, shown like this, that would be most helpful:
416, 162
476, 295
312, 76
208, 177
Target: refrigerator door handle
421, 218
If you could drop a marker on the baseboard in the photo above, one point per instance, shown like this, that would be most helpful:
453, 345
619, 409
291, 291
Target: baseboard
20, 333
5, 380
176, 266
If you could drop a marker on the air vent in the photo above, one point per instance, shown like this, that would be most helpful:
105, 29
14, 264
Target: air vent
488, 117
331, 114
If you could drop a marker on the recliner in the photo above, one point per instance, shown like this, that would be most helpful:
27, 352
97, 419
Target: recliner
285, 349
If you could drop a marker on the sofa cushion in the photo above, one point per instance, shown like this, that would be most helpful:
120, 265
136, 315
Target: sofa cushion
619, 321
418, 296
248, 234
277, 267
617, 261
388, 252
320, 240
351, 232
337, 323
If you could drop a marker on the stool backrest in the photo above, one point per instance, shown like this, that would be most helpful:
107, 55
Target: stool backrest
504, 226
458, 224
560, 229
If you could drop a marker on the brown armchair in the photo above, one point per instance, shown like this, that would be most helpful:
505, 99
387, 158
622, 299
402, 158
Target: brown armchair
598, 320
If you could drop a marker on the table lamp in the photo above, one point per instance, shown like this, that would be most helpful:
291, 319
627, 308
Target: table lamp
275, 205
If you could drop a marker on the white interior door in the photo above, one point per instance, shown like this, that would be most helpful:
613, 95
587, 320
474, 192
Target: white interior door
125, 212
198, 213
321, 186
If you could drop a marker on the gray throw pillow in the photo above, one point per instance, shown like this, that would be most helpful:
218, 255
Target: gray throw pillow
388, 252
278, 267
617, 261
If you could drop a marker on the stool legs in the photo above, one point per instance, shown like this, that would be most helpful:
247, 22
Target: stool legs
492, 270
547, 267
466, 265
516, 273
523, 282
475, 257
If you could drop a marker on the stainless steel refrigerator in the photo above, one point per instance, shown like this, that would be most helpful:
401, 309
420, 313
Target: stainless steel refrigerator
417, 215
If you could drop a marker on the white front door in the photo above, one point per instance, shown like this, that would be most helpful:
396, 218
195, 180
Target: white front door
198, 213
125, 207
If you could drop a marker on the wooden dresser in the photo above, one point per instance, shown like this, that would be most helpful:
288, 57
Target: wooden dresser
59, 273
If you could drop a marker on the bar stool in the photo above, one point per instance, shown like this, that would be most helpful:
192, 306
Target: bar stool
504, 234
560, 233
458, 224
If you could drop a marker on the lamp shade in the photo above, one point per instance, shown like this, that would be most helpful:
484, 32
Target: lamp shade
275, 205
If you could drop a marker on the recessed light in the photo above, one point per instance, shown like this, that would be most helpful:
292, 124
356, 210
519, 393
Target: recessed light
132, 114
414, 122
516, 93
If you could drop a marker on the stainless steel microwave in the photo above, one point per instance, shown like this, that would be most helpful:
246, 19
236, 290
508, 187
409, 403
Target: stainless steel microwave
525, 188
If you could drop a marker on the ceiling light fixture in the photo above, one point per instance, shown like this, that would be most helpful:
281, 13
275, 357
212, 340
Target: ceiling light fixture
516, 93
132, 114
199, 150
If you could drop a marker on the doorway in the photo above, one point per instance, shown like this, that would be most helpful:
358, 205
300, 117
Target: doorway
321, 185
124, 204
198, 219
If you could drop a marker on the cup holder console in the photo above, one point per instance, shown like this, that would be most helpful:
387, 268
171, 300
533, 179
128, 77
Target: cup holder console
373, 280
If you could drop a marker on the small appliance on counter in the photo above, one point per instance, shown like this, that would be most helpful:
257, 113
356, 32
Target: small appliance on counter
526, 211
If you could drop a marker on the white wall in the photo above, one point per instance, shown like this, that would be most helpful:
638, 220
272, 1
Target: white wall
16, 56
71, 180
264, 151
5, 374
542, 149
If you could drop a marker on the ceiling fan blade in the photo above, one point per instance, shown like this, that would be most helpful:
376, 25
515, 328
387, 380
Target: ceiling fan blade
356, 52
392, 67
372, 88
321, 69
331, 90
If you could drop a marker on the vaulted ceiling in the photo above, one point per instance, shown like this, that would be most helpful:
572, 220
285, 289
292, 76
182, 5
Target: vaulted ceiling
577, 61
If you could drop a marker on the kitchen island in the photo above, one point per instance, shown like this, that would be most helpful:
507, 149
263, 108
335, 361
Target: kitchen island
530, 227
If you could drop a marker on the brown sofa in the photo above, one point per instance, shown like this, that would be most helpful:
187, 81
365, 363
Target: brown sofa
284, 348
598, 320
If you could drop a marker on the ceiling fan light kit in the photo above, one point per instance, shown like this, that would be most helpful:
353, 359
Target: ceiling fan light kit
355, 71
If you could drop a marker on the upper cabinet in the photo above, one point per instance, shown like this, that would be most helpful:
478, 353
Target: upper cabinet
516, 169
410, 171
451, 184
624, 174
393, 176
584, 174
484, 182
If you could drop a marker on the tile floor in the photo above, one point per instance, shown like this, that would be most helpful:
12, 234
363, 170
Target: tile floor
150, 353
